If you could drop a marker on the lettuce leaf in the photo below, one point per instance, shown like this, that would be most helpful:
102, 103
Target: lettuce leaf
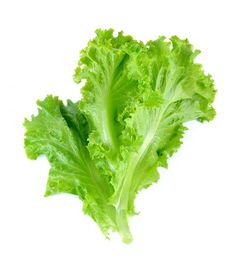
181, 93
107, 92
108, 146
56, 132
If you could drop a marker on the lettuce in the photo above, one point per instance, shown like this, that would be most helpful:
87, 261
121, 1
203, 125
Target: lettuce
135, 103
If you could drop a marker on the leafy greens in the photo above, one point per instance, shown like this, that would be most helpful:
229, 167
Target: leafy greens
108, 146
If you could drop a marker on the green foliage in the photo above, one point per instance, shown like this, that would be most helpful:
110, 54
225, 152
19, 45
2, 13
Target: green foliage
108, 146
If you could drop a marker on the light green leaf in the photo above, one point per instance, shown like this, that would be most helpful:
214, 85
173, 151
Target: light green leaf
108, 90
154, 131
56, 132
135, 104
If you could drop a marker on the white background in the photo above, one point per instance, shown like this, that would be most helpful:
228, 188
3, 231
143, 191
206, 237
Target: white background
189, 216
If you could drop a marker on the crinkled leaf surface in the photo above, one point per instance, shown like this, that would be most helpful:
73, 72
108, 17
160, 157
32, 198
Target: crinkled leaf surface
182, 93
136, 100
108, 90
56, 133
